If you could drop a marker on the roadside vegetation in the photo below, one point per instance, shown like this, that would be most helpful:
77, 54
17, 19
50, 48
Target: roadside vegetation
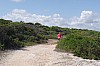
82, 42
15, 35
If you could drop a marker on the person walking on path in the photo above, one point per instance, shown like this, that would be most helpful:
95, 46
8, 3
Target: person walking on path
59, 36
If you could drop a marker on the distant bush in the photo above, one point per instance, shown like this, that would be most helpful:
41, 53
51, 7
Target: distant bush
31, 38
82, 46
14, 35
52, 36
18, 44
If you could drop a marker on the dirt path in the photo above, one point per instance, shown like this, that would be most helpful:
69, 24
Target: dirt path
44, 55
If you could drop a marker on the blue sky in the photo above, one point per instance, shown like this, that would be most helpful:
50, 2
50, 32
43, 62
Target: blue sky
83, 14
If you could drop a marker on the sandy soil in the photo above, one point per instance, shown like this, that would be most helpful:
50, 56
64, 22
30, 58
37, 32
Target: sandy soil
45, 55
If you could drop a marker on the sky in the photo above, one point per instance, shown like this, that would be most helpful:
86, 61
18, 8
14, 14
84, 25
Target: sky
80, 14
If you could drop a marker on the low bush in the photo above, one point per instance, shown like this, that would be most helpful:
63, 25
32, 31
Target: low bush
82, 46
18, 44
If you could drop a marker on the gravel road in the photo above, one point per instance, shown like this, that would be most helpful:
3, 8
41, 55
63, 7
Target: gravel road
45, 55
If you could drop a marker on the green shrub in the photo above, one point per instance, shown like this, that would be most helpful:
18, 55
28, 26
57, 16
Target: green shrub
29, 43
18, 44
52, 36
83, 46
31, 38
1, 46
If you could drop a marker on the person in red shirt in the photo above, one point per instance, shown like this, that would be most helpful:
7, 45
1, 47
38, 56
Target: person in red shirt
59, 36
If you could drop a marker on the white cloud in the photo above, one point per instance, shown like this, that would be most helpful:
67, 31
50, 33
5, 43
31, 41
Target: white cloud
86, 16
87, 19
17, 0
22, 15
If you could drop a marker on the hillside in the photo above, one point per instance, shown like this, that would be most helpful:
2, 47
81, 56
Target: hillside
82, 42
